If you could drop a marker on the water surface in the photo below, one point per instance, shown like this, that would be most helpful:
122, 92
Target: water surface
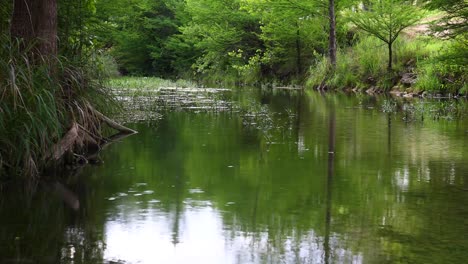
285, 177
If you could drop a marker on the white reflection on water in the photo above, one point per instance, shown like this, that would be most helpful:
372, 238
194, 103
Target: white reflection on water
199, 236
151, 240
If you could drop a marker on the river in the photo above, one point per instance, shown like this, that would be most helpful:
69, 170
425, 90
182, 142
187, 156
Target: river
276, 177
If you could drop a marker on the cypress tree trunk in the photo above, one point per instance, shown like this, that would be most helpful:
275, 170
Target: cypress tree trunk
46, 27
36, 20
22, 20
298, 51
390, 56
332, 33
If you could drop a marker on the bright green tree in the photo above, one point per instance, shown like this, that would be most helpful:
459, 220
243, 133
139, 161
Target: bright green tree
385, 20
292, 32
217, 29
137, 33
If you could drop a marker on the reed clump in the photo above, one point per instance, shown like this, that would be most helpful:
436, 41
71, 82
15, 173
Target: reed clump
40, 100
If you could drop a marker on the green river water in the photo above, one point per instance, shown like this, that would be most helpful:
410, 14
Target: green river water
285, 177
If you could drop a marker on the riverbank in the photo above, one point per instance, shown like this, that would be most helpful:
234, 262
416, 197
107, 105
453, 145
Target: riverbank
150, 97
421, 69
52, 111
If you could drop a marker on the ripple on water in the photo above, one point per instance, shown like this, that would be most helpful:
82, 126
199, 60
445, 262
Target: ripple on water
196, 190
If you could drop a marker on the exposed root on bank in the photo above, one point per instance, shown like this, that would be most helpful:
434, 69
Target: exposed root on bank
66, 143
80, 146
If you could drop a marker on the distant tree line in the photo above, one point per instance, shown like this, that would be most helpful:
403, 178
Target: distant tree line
245, 38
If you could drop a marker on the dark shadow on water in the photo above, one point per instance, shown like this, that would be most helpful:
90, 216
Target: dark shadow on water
329, 187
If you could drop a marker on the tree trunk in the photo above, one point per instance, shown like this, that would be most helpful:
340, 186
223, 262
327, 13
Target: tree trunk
46, 27
22, 20
298, 52
329, 188
332, 33
390, 56
36, 20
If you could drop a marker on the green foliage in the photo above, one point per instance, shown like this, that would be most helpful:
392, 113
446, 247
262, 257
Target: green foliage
217, 29
141, 36
292, 33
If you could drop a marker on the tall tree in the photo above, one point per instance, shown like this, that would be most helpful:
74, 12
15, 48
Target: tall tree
386, 20
220, 28
332, 33
292, 32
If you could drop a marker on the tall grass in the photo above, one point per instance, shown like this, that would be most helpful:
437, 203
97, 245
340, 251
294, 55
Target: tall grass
129, 82
39, 99
446, 70
357, 67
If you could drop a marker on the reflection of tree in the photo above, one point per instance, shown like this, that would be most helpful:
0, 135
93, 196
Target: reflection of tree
48, 228
389, 133
330, 175
179, 189
274, 204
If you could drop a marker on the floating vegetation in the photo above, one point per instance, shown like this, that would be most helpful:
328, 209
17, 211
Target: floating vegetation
148, 100
389, 106
426, 109
259, 117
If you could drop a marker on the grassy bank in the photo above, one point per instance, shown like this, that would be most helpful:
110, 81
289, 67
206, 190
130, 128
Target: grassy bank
40, 98
420, 64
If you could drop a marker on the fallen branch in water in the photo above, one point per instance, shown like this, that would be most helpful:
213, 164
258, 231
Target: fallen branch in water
82, 139
66, 143
111, 122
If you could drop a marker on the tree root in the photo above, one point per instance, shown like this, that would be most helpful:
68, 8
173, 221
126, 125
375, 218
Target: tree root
66, 143
79, 138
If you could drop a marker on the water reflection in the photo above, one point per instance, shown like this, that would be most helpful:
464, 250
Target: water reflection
293, 178
148, 237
